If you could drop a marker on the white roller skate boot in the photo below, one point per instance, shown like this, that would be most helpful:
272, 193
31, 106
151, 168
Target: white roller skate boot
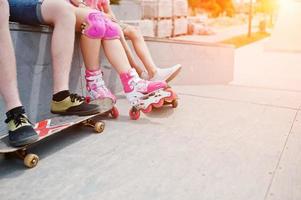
144, 95
98, 93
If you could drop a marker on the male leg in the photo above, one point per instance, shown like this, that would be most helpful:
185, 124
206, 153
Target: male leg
59, 14
20, 129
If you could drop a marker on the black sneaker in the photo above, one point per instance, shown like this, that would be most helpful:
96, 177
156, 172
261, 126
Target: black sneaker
74, 105
20, 129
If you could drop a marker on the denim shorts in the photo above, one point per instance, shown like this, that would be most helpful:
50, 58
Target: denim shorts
26, 11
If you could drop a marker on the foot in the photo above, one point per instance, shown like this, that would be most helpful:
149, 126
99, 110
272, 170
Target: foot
163, 74
20, 130
132, 82
96, 87
138, 90
64, 103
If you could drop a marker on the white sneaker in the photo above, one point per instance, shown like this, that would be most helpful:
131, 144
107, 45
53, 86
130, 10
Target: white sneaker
144, 75
166, 74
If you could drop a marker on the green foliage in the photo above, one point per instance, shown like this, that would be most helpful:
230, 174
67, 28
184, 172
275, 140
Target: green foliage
214, 7
267, 6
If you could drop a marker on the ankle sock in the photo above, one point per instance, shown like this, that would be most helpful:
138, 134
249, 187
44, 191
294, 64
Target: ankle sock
60, 96
15, 111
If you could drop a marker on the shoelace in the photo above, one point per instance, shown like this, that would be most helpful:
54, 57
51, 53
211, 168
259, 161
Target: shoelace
19, 119
76, 97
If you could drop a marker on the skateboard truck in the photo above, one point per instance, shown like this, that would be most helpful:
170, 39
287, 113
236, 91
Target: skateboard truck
98, 126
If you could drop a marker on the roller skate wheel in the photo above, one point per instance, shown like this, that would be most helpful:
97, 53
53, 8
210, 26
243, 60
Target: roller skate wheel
134, 114
174, 103
159, 104
31, 160
99, 127
114, 113
148, 109
88, 99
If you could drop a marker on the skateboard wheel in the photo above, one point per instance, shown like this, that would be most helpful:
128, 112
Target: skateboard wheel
174, 103
31, 160
99, 127
88, 99
114, 113
148, 109
134, 114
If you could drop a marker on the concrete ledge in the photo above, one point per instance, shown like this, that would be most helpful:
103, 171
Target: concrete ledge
203, 63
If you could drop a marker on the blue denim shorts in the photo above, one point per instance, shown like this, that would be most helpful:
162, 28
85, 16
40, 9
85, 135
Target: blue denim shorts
26, 11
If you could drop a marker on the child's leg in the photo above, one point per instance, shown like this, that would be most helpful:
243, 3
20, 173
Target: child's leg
130, 54
141, 49
153, 72
134, 87
90, 48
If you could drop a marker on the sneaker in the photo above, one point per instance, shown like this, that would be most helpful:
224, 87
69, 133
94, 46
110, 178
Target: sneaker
74, 105
167, 74
163, 74
20, 129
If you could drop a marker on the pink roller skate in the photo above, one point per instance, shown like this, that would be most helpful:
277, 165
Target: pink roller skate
144, 95
99, 94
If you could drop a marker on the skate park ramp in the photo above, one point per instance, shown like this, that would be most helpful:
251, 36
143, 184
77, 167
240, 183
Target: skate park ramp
286, 35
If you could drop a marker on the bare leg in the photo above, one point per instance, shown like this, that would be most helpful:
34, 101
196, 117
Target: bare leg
141, 49
90, 47
60, 14
130, 54
90, 50
116, 55
8, 75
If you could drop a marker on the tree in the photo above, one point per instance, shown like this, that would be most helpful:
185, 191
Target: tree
214, 7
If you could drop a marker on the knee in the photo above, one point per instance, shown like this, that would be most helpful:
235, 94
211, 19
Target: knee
64, 14
4, 11
133, 32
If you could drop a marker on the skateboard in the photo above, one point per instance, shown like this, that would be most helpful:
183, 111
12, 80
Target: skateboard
170, 99
51, 126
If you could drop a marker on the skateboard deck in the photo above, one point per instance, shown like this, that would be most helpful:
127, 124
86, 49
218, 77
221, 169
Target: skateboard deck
51, 126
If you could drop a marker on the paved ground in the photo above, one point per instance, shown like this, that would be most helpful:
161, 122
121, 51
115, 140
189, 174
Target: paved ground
257, 66
223, 142
221, 34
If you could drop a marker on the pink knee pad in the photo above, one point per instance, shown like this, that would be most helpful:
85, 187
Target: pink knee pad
96, 28
112, 30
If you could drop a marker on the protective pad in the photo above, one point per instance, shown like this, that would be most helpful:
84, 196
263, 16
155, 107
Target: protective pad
112, 30
99, 27
96, 26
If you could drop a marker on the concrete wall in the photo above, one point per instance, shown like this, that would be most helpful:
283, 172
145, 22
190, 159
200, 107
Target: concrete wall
203, 63
128, 10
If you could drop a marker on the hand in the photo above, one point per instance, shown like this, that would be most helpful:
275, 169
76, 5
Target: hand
112, 18
78, 3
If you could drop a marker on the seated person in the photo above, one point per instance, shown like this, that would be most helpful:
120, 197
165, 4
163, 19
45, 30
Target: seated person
132, 33
35, 12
